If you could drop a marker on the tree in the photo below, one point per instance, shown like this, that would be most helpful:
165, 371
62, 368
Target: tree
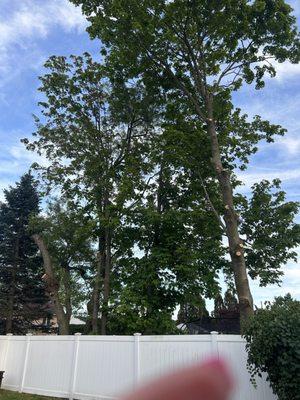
175, 240
273, 346
193, 311
63, 237
227, 307
95, 143
23, 299
186, 46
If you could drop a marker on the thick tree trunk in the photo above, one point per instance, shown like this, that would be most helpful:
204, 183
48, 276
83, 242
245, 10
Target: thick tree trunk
231, 220
12, 290
52, 286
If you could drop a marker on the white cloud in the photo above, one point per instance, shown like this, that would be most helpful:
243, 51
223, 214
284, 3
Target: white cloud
290, 284
286, 70
15, 160
36, 18
249, 178
291, 144
28, 21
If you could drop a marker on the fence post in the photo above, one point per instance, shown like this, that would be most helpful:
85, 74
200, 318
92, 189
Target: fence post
214, 343
137, 358
28, 335
74, 365
9, 335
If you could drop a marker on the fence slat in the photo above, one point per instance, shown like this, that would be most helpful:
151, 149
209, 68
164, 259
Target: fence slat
137, 360
214, 343
74, 365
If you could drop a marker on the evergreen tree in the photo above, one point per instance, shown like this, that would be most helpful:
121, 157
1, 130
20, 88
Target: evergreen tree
22, 298
192, 311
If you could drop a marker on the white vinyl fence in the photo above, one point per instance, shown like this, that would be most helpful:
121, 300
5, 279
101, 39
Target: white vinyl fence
102, 367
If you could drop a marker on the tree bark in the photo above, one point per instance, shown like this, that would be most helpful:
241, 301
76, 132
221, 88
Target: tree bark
106, 281
97, 285
96, 297
236, 249
52, 286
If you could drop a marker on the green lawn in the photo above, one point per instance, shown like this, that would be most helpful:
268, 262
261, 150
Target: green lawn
8, 395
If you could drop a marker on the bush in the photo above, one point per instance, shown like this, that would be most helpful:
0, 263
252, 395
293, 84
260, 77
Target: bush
273, 345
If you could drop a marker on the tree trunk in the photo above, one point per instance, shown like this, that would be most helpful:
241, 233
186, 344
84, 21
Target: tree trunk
231, 220
12, 289
106, 281
96, 297
52, 286
97, 286
66, 279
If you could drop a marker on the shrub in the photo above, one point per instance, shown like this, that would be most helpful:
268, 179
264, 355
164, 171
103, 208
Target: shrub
273, 345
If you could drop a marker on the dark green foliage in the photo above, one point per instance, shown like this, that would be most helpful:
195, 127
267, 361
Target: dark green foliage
273, 345
22, 298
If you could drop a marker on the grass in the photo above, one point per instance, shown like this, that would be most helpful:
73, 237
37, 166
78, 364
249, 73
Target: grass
8, 395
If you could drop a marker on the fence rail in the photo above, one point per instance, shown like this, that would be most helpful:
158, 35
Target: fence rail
102, 367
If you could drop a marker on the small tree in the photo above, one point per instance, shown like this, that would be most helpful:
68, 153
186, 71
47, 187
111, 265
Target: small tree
273, 345
62, 235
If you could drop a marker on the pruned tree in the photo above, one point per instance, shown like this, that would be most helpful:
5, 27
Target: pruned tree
205, 50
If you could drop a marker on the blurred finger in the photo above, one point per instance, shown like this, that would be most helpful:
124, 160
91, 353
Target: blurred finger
208, 381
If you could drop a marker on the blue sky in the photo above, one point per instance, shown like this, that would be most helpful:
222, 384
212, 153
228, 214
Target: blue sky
32, 30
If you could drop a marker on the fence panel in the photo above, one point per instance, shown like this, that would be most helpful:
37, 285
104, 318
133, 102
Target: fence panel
102, 367
105, 366
49, 365
14, 363
232, 349
159, 354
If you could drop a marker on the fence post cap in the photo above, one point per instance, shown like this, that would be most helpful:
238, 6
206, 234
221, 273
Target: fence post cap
29, 334
77, 334
137, 334
9, 334
214, 333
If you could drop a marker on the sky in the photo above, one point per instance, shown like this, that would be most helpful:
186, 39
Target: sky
33, 30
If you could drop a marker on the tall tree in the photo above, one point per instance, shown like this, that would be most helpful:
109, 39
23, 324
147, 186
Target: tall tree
95, 144
22, 299
206, 49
